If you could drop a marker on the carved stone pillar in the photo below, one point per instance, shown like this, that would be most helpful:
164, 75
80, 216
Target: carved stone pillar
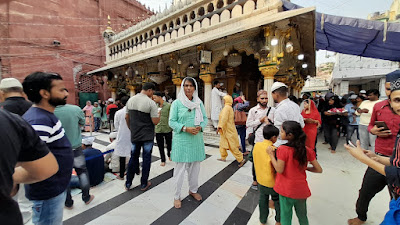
132, 90
269, 73
208, 79
177, 82
113, 93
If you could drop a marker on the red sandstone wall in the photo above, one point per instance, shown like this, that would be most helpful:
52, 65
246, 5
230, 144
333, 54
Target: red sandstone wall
28, 29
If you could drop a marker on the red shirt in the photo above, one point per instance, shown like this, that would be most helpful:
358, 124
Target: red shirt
292, 183
383, 112
111, 106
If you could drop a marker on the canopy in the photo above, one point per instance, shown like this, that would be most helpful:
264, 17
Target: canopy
374, 39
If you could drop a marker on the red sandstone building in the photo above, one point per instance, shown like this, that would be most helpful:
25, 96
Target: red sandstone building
63, 36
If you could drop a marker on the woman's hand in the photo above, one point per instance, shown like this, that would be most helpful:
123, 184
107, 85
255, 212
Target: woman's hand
192, 130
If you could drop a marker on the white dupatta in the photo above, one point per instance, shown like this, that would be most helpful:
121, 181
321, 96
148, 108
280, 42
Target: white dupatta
194, 104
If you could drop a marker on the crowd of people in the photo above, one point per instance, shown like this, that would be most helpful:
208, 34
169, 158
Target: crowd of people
43, 146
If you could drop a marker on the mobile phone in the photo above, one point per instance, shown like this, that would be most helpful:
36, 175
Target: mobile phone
380, 124
351, 144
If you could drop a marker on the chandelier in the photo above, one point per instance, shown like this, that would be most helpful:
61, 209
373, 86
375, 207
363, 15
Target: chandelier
234, 59
157, 77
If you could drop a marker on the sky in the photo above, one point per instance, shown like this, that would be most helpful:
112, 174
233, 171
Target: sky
349, 8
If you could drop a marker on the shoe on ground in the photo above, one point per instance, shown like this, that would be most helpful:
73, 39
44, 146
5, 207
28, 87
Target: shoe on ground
254, 187
355, 221
90, 200
144, 188
138, 172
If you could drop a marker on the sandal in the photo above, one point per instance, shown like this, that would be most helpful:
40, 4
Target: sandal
196, 196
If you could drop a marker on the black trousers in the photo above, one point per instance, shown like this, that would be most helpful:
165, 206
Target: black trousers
160, 143
331, 135
372, 184
122, 163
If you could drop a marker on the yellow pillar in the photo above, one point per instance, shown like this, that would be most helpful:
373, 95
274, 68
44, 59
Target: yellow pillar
269, 73
177, 82
132, 90
113, 93
208, 79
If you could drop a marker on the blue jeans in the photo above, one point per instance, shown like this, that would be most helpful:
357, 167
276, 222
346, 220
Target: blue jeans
133, 164
50, 211
350, 132
97, 123
83, 175
241, 129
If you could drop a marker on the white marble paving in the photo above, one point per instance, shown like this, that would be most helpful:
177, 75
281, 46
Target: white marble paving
334, 192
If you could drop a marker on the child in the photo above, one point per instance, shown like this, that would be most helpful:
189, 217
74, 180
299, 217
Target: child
291, 165
266, 173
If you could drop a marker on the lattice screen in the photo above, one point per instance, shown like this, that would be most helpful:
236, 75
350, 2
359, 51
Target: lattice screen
86, 84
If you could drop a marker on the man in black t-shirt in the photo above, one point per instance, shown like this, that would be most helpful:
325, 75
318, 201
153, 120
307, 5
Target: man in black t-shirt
20, 144
13, 93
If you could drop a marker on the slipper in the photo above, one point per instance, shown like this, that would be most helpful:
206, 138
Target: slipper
177, 204
196, 196
242, 162
147, 186
222, 160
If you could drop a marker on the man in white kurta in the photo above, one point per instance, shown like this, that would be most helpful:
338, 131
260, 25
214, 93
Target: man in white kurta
123, 144
216, 103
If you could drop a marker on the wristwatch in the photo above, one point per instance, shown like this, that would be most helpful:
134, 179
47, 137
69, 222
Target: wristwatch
184, 129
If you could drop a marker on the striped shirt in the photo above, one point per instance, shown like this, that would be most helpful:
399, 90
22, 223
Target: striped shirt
50, 131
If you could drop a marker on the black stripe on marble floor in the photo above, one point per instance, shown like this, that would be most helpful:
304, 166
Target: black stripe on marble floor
243, 211
176, 216
115, 202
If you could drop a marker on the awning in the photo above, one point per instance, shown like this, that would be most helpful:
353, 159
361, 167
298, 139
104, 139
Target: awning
374, 39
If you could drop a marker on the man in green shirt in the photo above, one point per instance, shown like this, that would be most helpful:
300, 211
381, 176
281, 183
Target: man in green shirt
163, 131
72, 118
97, 116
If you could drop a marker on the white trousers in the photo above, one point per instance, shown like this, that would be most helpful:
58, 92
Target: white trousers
215, 124
193, 170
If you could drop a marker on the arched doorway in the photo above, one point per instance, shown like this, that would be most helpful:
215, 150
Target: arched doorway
246, 74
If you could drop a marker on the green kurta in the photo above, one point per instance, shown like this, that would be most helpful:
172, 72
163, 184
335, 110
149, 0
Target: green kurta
186, 147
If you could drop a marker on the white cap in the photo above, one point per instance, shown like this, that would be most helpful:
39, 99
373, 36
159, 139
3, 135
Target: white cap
9, 83
353, 97
363, 92
238, 84
88, 140
111, 100
317, 96
277, 85
113, 135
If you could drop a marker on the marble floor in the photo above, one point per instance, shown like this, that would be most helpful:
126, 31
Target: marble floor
227, 196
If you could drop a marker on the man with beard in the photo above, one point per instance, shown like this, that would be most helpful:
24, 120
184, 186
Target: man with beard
286, 110
46, 91
259, 116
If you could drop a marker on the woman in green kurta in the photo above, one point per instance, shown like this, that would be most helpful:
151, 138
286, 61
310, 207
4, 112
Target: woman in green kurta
188, 119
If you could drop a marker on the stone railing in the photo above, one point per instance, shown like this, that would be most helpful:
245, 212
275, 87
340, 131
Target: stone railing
183, 19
